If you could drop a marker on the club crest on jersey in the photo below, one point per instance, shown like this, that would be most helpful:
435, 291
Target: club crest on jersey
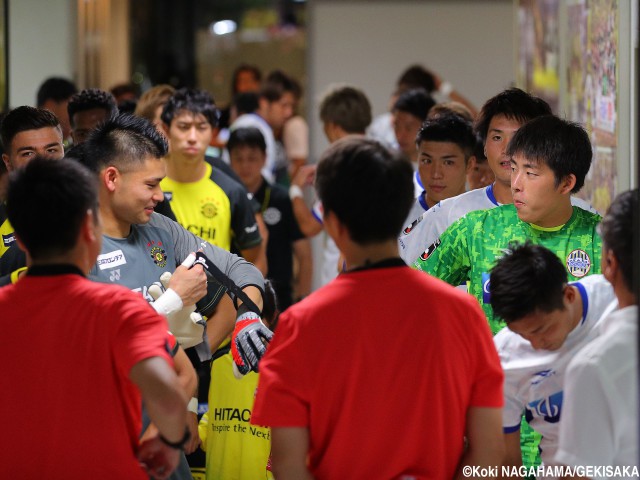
209, 210
272, 216
159, 256
578, 263
427, 253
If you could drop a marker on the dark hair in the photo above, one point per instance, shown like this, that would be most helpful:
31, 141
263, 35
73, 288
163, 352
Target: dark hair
277, 84
347, 107
528, 278
449, 128
367, 187
246, 102
193, 101
244, 67
514, 104
416, 76
270, 306
563, 146
620, 236
246, 137
24, 118
89, 99
124, 89
416, 102
124, 141
56, 89
66, 188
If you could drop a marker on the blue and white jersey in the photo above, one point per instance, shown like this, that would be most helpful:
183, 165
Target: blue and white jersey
534, 378
424, 230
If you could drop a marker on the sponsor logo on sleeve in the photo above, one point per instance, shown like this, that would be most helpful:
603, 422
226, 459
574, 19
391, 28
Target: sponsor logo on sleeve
251, 229
408, 229
427, 253
111, 259
578, 263
168, 196
9, 239
486, 285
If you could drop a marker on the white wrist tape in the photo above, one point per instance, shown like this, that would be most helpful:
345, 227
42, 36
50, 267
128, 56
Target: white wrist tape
192, 406
167, 303
295, 192
445, 89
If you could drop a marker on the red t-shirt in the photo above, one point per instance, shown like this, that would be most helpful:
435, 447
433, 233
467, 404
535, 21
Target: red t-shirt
67, 346
381, 365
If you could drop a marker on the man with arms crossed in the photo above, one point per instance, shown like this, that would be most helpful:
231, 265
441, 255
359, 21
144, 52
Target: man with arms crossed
103, 346
317, 392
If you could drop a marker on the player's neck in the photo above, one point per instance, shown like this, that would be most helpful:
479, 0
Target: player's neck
185, 169
112, 226
356, 256
502, 193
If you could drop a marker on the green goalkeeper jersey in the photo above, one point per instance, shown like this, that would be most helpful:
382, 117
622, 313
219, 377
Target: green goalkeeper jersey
470, 247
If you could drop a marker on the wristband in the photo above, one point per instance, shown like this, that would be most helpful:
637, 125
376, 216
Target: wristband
192, 406
295, 192
445, 88
167, 303
177, 445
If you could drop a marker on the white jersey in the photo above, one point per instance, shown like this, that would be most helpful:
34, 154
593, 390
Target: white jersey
424, 231
534, 378
418, 188
256, 121
600, 418
330, 253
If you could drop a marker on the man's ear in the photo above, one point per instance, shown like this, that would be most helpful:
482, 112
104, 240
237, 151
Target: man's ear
110, 177
7, 162
610, 265
471, 163
567, 184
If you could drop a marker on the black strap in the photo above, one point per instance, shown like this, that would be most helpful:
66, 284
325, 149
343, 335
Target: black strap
226, 282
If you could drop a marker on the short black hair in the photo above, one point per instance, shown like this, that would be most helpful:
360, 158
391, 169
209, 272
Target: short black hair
348, 107
124, 141
247, 102
514, 104
416, 76
451, 128
66, 188
367, 187
24, 118
527, 279
244, 67
563, 146
193, 101
56, 89
89, 99
271, 305
620, 236
246, 137
277, 84
416, 102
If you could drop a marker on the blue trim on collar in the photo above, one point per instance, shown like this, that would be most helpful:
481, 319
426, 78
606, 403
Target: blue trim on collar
491, 196
422, 199
585, 300
418, 179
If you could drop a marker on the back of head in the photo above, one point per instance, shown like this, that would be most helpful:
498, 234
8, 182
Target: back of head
90, 99
246, 102
55, 88
277, 84
416, 102
450, 107
152, 99
528, 278
125, 142
416, 76
450, 128
620, 236
66, 188
514, 104
191, 100
563, 146
367, 187
25, 118
246, 137
347, 107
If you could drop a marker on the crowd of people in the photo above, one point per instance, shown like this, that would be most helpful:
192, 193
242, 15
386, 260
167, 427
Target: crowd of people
475, 315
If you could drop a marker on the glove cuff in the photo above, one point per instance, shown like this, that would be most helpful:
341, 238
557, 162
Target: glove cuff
168, 303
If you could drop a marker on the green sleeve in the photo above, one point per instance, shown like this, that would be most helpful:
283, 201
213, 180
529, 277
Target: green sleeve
448, 258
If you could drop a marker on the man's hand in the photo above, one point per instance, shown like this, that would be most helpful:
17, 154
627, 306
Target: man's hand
186, 324
304, 176
157, 458
189, 283
194, 441
248, 342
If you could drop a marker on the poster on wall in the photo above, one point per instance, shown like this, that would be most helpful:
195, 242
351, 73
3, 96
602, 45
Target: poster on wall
591, 89
590, 42
539, 49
